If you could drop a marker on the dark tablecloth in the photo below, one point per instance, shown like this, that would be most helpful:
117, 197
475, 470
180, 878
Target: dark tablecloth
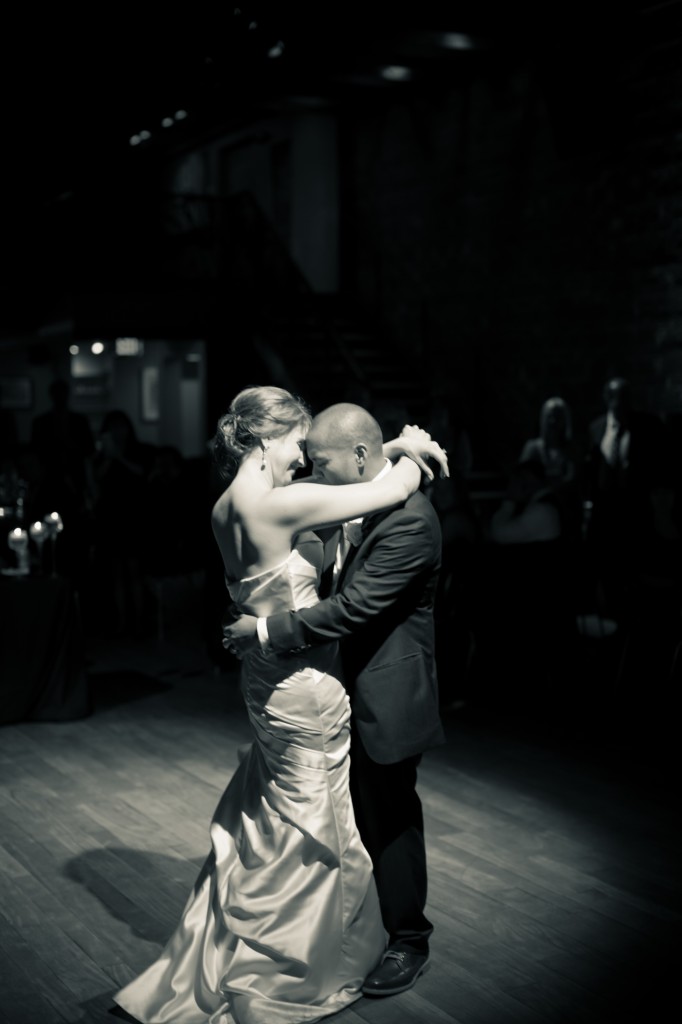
42, 665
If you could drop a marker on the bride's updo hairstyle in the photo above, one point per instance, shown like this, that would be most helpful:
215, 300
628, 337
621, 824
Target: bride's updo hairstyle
255, 414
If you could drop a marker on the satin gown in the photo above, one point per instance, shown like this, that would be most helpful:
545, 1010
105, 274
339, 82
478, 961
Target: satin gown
283, 923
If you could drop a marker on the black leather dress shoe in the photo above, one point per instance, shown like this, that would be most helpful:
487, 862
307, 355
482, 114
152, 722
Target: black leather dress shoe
397, 972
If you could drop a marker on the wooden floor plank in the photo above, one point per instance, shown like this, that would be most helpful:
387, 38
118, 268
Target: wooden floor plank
527, 883
32, 982
405, 1008
115, 940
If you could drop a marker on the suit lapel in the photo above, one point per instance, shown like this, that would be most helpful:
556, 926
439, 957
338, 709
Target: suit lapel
331, 537
368, 524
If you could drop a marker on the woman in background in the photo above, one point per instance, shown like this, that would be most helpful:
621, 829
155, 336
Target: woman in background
554, 448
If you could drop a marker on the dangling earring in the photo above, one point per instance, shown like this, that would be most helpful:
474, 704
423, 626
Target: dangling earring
263, 461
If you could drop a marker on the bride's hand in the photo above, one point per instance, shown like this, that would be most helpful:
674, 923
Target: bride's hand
418, 445
418, 433
240, 635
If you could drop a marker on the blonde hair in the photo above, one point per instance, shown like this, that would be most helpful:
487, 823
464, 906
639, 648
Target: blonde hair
549, 406
255, 413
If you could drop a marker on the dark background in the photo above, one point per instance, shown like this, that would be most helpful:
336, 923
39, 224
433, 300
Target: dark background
509, 219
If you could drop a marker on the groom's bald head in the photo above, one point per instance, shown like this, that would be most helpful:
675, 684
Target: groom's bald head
344, 444
348, 424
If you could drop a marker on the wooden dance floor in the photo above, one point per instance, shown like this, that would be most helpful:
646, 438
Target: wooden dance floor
553, 861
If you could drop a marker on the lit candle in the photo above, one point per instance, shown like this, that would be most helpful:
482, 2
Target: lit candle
38, 532
17, 541
54, 525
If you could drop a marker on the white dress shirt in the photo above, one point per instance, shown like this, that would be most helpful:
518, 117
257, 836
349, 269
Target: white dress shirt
615, 444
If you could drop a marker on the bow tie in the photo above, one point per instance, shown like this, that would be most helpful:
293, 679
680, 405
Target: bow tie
353, 532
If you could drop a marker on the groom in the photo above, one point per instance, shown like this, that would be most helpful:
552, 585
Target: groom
377, 592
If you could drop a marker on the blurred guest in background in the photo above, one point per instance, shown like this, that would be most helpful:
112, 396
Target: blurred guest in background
553, 445
627, 453
556, 450
64, 442
121, 471
529, 511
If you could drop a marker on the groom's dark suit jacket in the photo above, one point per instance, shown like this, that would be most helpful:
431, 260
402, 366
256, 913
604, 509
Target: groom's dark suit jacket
383, 607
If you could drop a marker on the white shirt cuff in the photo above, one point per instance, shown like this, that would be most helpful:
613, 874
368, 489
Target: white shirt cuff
262, 631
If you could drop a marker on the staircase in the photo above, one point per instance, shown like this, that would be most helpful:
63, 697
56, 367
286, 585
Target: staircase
330, 353
315, 345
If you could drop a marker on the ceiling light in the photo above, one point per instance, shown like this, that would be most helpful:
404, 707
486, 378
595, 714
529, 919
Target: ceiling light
456, 41
129, 347
180, 115
97, 348
277, 50
396, 73
74, 350
167, 122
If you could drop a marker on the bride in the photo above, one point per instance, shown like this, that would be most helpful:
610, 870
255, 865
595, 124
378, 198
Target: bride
283, 923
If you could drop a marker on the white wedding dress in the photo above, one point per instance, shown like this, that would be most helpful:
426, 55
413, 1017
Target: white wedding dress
283, 923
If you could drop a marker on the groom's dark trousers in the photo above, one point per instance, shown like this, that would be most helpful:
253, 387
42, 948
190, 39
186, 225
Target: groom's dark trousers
382, 612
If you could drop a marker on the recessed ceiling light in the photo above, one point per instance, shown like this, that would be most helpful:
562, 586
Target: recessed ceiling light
396, 73
456, 41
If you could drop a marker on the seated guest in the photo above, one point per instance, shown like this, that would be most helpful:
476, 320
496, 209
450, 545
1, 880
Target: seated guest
529, 509
555, 448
